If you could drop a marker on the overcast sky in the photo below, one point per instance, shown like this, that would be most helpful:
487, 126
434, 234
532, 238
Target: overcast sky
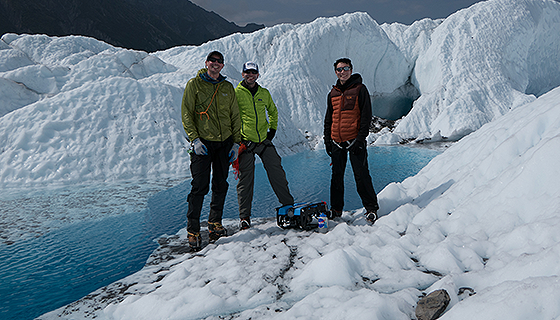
271, 12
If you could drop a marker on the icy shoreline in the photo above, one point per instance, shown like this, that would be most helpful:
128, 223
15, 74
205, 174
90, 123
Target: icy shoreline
276, 254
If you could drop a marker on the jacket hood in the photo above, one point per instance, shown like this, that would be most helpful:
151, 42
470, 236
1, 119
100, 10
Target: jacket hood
354, 79
203, 74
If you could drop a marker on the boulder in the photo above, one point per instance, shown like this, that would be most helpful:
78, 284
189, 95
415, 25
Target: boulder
433, 305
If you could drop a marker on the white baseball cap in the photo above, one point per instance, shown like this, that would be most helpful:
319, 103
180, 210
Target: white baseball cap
250, 65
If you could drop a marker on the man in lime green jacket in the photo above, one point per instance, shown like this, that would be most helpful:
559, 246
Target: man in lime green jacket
259, 121
211, 120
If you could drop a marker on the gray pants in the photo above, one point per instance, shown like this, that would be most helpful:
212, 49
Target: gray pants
276, 176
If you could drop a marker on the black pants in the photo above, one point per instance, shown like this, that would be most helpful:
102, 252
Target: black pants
361, 176
216, 162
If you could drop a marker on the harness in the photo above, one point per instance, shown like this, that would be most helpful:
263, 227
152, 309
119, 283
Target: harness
205, 112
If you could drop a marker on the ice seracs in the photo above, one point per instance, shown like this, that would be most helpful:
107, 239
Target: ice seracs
469, 69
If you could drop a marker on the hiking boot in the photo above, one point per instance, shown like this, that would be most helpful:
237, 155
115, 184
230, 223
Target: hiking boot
371, 216
335, 213
216, 231
245, 223
195, 241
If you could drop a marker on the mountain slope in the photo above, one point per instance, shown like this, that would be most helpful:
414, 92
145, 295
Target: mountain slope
136, 24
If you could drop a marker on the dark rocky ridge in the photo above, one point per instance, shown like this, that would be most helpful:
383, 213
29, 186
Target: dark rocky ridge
147, 25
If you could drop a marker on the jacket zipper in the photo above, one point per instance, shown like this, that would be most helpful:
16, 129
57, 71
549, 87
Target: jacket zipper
256, 117
340, 115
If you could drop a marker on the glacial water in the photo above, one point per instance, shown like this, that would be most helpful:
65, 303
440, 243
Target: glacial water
42, 273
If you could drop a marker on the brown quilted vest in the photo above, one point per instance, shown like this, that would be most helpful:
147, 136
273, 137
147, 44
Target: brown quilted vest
346, 114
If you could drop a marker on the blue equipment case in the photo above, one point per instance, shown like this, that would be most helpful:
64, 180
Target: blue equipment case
301, 215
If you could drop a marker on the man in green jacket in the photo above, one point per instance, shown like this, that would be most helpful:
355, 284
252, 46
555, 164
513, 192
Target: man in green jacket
211, 120
259, 120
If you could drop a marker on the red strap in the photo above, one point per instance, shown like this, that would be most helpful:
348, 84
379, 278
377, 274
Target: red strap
235, 164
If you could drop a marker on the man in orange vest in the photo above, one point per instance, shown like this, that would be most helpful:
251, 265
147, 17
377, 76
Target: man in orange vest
347, 124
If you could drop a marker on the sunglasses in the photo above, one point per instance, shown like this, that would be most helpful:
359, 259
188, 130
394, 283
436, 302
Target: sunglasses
251, 71
342, 68
218, 60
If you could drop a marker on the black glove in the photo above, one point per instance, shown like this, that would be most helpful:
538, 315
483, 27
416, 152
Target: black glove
357, 146
328, 146
249, 145
270, 134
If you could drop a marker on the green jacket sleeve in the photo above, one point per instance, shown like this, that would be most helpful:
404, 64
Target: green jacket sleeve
272, 112
187, 111
235, 121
